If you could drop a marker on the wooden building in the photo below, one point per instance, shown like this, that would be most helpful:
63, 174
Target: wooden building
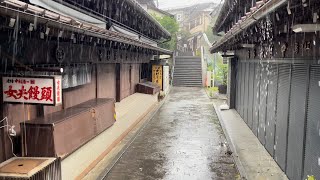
274, 74
101, 50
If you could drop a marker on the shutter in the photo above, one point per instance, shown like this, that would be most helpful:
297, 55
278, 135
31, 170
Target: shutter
282, 114
238, 87
256, 99
250, 91
312, 155
271, 108
246, 95
241, 89
263, 103
297, 121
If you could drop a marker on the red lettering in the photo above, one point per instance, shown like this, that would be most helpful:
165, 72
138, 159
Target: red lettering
22, 92
33, 93
46, 93
11, 93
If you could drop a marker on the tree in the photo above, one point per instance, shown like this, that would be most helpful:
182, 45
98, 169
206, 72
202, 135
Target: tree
172, 26
209, 32
222, 73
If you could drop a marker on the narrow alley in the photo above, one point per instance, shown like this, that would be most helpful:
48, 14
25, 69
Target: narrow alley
184, 140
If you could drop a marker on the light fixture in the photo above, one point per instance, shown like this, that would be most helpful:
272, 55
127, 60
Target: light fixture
47, 31
277, 16
228, 54
250, 46
12, 22
41, 35
60, 34
82, 38
315, 17
299, 28
31, 27
288, 9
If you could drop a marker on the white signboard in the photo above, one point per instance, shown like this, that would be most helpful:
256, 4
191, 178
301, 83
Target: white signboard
32, 90
166, 80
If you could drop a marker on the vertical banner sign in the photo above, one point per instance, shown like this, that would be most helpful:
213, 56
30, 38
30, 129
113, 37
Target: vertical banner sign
58, 87
46, 90
157, 75
166, 80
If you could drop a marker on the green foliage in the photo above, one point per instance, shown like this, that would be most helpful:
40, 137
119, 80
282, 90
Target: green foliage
209, 32
172, 26
213, 89
222, 73
210, 67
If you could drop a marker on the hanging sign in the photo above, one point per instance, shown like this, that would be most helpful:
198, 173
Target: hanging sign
46, 90
157, 75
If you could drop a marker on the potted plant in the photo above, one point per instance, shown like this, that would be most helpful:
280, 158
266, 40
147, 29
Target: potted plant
222, 77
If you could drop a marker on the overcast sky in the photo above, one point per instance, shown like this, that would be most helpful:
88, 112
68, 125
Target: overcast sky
170, 4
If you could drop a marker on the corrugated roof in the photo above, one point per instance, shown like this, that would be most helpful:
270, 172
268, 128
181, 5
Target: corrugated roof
28, 12
256, 13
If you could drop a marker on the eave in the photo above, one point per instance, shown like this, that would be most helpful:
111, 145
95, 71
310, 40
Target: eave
255, 14
141, 10
28, 12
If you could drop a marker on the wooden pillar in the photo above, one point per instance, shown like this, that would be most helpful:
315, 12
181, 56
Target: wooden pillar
2, 143
231, 91
118, 82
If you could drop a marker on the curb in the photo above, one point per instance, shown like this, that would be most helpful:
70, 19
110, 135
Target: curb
239, 165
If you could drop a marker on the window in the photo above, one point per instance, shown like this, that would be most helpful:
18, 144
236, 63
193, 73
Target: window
179, 17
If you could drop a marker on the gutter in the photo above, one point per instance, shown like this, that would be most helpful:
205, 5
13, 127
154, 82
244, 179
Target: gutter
68, 23
255, 14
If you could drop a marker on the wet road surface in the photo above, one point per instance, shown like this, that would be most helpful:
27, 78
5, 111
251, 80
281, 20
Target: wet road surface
184, 140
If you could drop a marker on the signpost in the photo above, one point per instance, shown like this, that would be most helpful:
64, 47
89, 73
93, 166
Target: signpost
46, 90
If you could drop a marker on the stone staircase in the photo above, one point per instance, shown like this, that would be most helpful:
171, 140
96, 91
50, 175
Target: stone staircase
187, 71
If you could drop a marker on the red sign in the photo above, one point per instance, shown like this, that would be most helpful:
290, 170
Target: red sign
32, 90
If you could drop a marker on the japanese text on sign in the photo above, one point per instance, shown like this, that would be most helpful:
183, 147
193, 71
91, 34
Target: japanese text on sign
39, 90
157, 75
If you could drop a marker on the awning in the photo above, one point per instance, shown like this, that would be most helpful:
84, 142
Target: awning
253, 16
28, 12
64, 10
136, 36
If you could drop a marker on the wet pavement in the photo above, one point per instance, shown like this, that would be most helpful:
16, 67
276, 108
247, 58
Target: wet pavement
184, 140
